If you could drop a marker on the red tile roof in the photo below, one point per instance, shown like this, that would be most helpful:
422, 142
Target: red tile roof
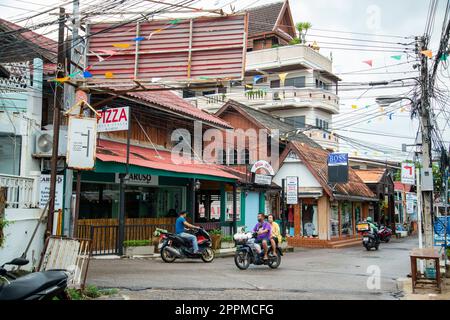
173, 102
316, 159
49, 47
110, 151
262, 19
371, 176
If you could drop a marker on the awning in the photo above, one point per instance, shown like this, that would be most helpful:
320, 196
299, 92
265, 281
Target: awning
113, 158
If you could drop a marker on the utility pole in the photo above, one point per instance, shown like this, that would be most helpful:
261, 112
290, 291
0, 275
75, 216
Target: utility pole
59, 96
426, 127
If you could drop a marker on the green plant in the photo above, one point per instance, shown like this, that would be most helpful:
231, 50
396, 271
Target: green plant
3, 223
136, 243
227, 239
215, 232
302, 28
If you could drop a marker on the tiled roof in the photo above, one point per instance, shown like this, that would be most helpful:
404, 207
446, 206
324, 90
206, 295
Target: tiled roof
269, 122
316, 159
42, 45
262, 19
173, 102
110, 151
371, 176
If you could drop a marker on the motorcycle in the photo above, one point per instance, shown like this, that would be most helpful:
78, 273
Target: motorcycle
249, 252
385, 234
370, 240
173, 247
44, 285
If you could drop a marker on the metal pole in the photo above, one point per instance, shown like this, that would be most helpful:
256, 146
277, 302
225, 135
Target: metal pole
234, 208
77, 205
122, 192
59, 93
283, 208
419, 214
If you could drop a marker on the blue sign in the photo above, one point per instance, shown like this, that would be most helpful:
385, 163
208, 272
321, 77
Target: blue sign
338, 159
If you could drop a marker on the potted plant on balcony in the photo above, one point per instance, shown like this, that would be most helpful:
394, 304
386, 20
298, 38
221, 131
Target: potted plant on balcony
216, 238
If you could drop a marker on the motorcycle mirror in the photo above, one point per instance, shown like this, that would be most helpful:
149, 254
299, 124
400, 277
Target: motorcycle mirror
18, 262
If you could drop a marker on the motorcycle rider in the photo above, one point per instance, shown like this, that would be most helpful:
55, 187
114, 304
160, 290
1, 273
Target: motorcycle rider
373, 228
180, 225
264, 230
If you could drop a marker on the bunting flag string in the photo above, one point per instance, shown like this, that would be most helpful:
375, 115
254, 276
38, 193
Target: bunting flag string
399, 57
109, 75
282, 77
369, 62
354, 107
121, 45
427, 53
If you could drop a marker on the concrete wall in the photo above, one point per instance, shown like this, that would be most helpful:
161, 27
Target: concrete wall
297, 169
18, 233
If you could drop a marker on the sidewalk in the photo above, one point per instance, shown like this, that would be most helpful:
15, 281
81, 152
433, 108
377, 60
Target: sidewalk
405, 285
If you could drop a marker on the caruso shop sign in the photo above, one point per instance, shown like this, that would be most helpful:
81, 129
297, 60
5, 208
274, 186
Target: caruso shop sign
139, 179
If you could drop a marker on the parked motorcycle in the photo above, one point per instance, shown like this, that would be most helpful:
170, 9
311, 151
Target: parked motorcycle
370, 240
173, 247
385, 234
249, 252
44, 285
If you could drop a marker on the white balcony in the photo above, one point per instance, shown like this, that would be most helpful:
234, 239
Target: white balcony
286, 56
273, 99
19, 191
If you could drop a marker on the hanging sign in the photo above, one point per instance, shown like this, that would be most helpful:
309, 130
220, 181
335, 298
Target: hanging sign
82, 143
292, 190
338, 168
408, 173
44, 191
139, 179
115, 119
263, 179
263, 164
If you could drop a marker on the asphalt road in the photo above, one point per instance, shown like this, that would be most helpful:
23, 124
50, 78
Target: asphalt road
303, 274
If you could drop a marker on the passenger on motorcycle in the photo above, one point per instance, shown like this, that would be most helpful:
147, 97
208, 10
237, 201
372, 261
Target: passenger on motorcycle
180, 223
275, 237
263, 229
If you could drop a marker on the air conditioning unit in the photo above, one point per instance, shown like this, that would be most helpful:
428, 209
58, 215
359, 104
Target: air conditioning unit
44, 143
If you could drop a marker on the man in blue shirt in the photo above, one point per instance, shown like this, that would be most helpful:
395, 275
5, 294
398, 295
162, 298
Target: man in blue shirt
180, 224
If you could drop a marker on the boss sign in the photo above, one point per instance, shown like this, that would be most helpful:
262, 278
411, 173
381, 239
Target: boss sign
115, 119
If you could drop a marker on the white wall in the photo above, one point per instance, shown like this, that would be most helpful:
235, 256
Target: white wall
18, 233
297, 169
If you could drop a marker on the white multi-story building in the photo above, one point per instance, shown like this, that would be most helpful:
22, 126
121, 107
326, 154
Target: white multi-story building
309, 96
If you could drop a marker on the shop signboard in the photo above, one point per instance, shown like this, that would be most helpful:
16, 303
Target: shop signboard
410, 198
408, 173
135, 179
292, 190
44, 191
114, 119
82, 143
263, 179
338, 168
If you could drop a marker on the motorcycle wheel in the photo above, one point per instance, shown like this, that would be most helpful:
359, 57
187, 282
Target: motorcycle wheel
242, 260
208, 255
367, 247
167, 256
376, 246
275, 263
387, 239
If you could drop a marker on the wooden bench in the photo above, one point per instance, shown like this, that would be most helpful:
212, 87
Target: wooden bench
418, 279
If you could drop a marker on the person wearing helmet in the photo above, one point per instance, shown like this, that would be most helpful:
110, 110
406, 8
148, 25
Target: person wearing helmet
373, 227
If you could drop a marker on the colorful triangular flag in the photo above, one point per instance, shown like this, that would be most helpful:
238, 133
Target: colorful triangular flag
121, 45
87, 74
369, 62
282, 77
109, 75
139, 39
175, 21
256, 79
354, 107
427, 53
397, 57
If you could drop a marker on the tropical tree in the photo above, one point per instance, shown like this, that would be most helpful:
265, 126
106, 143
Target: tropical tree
302, 29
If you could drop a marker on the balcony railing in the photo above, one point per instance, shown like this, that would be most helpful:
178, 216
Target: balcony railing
274, 97
19, 191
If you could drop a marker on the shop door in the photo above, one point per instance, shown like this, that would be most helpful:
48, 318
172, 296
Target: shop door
251, 209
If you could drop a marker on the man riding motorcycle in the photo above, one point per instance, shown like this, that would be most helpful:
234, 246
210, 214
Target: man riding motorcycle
180, 225
264, 230
373, 228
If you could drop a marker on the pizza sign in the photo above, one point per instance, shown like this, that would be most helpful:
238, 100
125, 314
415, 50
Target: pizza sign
115, 119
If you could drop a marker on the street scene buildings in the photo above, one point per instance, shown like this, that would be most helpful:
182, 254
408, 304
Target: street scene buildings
111, 129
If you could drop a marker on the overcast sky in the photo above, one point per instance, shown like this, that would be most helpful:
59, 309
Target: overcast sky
374, 19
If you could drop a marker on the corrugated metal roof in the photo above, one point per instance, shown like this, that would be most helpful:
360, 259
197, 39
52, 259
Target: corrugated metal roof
316, 159
110, 151
216, 49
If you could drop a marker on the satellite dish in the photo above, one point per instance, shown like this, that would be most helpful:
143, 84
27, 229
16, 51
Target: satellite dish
45, 142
